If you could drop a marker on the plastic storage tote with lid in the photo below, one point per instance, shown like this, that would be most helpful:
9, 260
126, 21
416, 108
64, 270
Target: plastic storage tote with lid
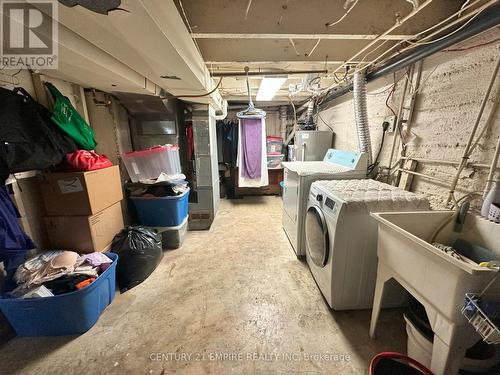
274, 161
274, 145
167, 211
65, 314
173, 237
150, 163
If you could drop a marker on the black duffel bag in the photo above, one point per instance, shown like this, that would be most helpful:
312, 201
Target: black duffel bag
29, 140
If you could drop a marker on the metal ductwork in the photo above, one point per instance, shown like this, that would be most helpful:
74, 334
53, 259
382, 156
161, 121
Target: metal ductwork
361, 114
486, 20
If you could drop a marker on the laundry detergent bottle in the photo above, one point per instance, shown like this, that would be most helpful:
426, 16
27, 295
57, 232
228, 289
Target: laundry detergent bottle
493, 196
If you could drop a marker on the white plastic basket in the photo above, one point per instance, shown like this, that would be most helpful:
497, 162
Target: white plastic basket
479, 320
494, 214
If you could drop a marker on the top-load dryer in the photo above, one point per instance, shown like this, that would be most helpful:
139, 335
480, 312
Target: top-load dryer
298, 177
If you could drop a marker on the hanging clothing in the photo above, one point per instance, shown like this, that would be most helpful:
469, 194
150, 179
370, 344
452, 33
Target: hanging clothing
251, 146
190, 140
227, 142
252, 153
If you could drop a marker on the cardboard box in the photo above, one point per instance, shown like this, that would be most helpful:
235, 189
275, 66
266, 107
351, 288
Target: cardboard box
81, 193
85, 234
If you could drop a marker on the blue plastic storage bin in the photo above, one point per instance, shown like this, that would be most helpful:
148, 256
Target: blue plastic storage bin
66, 314
161, 211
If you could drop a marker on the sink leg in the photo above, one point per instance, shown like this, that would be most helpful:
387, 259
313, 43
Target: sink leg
447, 357
382, 278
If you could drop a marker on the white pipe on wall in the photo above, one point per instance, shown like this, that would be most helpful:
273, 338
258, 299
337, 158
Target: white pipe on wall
467, 151
224, 111
493, 168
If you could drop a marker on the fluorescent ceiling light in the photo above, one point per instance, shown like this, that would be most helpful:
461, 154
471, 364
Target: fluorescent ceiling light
269, 86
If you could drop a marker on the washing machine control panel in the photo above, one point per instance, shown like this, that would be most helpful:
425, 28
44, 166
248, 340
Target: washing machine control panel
329, 203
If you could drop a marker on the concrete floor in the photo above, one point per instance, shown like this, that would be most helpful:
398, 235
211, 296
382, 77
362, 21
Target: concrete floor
233, 299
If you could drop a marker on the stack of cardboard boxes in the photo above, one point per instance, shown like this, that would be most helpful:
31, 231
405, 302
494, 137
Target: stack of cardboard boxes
83, 209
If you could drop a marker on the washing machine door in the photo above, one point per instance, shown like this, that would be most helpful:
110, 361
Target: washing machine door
317, 240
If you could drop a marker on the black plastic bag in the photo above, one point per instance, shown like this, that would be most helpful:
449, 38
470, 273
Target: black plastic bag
139, 249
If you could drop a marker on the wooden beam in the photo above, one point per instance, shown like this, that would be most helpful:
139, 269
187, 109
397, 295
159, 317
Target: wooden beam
297, 36
407, 177
273, 63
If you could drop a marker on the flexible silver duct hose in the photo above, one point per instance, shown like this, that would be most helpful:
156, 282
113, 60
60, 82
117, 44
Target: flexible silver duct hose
361, 114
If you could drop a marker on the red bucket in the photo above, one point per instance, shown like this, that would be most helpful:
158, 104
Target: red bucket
391, 363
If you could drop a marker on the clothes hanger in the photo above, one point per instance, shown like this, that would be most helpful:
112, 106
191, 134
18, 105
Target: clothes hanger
251, 111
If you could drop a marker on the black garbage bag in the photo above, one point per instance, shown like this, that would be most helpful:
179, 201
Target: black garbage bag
139, 249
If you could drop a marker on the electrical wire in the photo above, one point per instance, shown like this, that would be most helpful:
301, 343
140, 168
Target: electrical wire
321, 118
471, 47
376, 162
419, 43
465, 7
312, 50
380, 92
294, 48
422, 84
395, 26
389, 97
391, 87
199, 96
248, 8
295, 125
332, 23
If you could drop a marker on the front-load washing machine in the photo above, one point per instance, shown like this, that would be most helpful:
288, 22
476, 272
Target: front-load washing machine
341, 238
298, 177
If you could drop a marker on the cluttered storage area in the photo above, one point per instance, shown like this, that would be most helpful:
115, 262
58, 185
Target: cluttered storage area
250, 187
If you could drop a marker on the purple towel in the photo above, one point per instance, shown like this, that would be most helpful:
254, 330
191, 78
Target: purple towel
251, 146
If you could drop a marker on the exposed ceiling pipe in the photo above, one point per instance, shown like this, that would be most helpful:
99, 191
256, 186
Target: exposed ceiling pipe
388, 31
223, 115
267, 73
488, 19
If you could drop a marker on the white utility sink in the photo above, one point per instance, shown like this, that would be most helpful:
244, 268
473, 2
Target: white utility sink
433, 277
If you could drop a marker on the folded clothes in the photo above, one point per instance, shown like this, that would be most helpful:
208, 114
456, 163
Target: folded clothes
94, 259
38, 292
45, 267
86, 270
61, 266
84, 283
66, 284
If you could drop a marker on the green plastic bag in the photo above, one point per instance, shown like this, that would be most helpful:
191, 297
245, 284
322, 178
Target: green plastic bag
70, 121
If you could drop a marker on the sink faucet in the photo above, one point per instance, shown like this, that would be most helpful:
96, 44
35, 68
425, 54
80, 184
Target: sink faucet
462, 209
461, 214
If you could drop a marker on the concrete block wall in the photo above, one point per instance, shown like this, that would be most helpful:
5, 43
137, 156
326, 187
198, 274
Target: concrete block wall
445, 110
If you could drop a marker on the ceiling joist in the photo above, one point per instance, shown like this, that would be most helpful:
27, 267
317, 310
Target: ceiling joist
297, 36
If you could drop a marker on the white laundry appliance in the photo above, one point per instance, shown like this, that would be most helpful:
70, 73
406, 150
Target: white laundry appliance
341, 239
298, 177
